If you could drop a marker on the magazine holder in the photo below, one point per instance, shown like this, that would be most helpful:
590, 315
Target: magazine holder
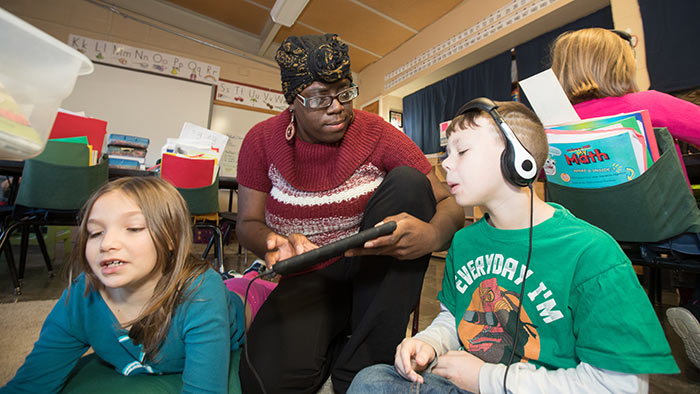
653, 207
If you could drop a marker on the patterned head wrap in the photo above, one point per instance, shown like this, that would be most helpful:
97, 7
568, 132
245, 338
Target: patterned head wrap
305, 59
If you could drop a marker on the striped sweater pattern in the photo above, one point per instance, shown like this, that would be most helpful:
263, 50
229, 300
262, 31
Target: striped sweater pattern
346, 203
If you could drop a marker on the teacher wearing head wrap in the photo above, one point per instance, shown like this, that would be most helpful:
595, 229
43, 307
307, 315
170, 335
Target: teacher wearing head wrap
318, 172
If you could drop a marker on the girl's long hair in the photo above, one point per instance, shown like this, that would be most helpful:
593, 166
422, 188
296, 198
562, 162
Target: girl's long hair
593, 63
168, 221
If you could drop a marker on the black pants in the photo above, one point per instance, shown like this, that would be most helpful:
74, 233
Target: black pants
345, 317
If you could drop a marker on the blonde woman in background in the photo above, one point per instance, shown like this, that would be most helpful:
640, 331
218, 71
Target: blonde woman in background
597, 67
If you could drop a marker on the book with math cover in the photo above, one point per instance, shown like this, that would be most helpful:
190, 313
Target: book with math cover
594, 160
639, 121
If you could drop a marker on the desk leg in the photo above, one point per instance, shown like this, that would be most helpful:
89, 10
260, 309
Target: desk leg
7, 247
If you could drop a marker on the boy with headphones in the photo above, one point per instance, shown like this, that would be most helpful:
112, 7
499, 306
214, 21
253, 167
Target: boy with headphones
585, 325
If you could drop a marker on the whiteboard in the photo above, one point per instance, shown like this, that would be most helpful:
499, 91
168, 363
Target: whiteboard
141, 104
235, 123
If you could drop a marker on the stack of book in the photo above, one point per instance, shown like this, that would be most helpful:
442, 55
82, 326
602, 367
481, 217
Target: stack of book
126, 151
192, 160
601, 152
75, 127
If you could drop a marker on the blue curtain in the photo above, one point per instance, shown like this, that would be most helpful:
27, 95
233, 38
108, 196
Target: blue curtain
671, 31
424, 110
533, 56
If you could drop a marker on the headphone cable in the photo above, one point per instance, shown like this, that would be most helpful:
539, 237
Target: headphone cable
522, 292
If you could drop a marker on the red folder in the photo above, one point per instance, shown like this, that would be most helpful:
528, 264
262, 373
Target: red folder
68, 125
184, 172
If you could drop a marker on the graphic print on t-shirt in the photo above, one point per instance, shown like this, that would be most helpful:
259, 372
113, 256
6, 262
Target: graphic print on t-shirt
486, 326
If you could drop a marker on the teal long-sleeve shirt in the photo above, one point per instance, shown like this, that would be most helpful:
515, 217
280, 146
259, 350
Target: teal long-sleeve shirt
204, 330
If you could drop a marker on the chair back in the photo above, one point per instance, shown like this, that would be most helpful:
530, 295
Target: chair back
655, 206
202, 200
61, 187
182, 172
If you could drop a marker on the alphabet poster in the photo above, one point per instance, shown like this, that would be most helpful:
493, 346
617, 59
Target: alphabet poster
251, 96
145, 60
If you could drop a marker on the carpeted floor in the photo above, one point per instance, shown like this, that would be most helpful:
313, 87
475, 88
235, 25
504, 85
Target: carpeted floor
20, 325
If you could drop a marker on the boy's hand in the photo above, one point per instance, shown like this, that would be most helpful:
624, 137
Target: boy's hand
281, 248
461, 368
413, 356
412, 238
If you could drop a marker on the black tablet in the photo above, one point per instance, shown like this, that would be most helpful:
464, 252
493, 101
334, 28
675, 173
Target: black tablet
305, 260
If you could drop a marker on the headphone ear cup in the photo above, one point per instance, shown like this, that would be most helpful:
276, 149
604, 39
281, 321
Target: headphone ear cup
508, 166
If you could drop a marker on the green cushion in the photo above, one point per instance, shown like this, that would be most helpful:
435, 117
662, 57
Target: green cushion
653, 207
92, 375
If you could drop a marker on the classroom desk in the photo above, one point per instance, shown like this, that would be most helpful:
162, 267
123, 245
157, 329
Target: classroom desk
14, 168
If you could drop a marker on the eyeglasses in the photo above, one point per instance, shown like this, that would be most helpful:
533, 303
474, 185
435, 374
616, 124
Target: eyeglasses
319, 102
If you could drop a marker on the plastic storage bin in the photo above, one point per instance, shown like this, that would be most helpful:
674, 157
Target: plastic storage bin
36, 73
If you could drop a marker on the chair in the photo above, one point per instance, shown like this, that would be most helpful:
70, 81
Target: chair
227, 221
52, 192
52, 235
203, 203
55, 152
654, 217
66, 153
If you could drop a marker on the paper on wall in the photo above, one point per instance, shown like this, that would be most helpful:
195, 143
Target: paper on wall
229, 162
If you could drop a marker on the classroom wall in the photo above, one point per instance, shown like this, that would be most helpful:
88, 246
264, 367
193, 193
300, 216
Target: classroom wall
371, 80
390, 103
60, 18
469, 13
627, 17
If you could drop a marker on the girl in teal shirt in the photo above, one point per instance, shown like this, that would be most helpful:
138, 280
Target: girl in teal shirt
138, 297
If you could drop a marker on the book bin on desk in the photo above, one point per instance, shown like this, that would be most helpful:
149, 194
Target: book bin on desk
36, 73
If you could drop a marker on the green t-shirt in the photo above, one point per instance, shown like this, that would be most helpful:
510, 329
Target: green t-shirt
583, 301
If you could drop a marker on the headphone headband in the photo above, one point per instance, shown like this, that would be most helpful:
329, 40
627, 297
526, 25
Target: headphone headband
483, 103
517, 164
625, 36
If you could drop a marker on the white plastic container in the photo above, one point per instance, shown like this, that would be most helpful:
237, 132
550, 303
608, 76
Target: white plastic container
38, 72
